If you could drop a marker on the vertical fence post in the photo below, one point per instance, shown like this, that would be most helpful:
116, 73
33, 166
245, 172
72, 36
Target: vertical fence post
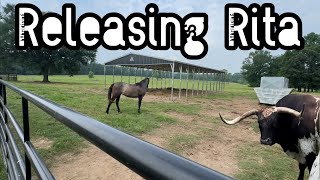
172, 77
202, 82
206, 84
121, 72
187, 82
165, 80
129, 72
160, 79
26, 133
180, 80
198, 82
152, 77
210, 78
4, 96
135, 75
105, 78
192, 81
113, 74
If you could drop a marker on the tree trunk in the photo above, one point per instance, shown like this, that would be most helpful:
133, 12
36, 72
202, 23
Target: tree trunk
45, 72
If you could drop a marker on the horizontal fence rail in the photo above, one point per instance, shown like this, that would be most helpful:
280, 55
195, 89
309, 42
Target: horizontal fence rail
147, 160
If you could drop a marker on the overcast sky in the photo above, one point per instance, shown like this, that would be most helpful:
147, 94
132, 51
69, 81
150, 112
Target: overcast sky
218, 57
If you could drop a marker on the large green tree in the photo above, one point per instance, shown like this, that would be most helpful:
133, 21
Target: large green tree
45, 61
8, 53
256, 65
303, 67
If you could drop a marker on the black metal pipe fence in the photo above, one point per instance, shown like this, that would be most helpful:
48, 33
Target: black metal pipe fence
147, 160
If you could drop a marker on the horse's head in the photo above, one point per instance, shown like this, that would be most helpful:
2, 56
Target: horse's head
146, 81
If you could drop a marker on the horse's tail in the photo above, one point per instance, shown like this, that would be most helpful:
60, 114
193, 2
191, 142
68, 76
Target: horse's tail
110, 91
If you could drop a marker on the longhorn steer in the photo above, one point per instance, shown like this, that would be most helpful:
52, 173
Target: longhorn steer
294, 124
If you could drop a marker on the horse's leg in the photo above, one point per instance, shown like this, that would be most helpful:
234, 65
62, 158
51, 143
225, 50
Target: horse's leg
117, 103
110, 102
139, 103
107, 111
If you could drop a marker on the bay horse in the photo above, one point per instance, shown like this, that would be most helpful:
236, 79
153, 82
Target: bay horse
137, 90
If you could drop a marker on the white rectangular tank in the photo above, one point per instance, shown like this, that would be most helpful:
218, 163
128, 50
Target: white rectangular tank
272, 89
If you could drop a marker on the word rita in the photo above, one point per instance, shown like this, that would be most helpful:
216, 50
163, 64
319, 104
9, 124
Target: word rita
260, 27
159, 31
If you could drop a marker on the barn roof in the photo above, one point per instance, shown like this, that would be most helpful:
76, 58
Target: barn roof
156, 63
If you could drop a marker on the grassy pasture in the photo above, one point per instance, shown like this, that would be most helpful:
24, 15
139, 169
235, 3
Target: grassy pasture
89, 97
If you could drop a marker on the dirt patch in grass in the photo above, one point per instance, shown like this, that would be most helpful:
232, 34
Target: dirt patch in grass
201, 137
219, 152
42, 143
181, 117
91, 163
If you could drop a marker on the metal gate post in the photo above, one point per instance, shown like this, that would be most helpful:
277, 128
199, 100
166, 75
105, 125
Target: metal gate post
26, 133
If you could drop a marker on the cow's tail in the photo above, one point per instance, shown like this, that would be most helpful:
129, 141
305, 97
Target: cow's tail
110, 92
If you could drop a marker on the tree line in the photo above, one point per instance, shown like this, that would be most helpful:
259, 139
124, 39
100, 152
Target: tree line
301, 67
61, 61
43, 61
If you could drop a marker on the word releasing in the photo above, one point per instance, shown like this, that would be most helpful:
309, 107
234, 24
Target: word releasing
260, 27
159, 31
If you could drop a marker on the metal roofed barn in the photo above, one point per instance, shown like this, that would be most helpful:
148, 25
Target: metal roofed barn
212, 79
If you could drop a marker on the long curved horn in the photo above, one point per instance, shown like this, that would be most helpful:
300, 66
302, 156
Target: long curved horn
289, 111
240, 118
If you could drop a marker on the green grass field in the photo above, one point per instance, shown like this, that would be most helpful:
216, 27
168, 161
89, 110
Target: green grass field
89, 97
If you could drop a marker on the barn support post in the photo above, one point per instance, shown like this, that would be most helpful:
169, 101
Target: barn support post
210, 79
202, 82
180, 80
172, 76
121, 73
206, 84
168, 78
165, 79
112, 74
135, 75
129, 74
141, 74
219, 82
213, 84
187, 82
105, 78
216, 77
152, 78
157, 73
198, 82
224, 82
160, 79
192, 81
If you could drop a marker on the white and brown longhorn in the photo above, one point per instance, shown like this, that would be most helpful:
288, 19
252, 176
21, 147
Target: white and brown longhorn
294, 124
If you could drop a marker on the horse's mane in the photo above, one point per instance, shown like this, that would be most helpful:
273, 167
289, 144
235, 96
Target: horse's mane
141, 82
